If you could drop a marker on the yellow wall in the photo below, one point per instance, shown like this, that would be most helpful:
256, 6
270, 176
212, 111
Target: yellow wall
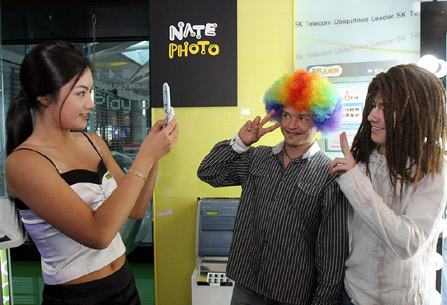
265, 51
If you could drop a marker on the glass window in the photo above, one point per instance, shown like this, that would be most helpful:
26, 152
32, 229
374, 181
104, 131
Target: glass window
122, 109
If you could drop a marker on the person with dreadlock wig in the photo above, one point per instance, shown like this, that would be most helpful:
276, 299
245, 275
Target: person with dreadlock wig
394, 179
290, 237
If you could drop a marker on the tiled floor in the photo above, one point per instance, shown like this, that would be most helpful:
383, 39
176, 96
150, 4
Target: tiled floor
27, 282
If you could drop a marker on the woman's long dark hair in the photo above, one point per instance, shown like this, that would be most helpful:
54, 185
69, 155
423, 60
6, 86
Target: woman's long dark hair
44, 70
414, 102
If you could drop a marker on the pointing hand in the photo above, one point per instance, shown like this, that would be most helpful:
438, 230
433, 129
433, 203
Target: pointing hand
343, 165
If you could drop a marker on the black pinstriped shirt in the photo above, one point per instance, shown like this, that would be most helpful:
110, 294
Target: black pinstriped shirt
290, 236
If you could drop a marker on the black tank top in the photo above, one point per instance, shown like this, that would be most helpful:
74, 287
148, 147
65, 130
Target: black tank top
72, 176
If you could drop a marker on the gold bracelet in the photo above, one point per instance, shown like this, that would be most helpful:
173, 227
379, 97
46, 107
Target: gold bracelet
140, 175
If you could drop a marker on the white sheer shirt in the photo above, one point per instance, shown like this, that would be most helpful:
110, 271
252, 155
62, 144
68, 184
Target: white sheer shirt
393, 257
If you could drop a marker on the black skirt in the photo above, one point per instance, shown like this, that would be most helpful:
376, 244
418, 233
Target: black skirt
116, 289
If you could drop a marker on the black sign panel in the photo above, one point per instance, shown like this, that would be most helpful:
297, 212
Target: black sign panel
193, 47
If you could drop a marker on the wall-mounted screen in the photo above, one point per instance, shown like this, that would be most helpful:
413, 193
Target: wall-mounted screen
357, 43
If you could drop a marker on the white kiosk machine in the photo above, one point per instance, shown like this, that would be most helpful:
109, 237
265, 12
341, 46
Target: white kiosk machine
12, 233
215, 223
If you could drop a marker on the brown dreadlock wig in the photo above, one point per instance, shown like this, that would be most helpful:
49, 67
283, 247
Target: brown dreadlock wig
415, 115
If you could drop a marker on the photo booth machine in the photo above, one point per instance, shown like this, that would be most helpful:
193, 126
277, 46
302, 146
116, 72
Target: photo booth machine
215, 223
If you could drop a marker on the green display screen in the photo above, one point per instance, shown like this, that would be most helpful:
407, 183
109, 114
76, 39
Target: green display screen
212, 212
4, 277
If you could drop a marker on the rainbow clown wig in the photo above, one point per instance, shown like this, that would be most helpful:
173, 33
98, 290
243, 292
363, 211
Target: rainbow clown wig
306, 91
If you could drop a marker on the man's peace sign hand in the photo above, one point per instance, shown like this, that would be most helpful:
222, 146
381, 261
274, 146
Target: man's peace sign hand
252, 131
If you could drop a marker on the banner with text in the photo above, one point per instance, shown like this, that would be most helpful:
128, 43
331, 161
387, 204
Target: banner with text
351, 40
193, 47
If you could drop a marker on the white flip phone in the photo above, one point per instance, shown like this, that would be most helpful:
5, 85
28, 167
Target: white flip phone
167, 103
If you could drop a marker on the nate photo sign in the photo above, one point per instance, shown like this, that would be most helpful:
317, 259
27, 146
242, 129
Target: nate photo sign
193, 47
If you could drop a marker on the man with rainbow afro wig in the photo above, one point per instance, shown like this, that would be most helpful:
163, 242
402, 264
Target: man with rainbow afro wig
306, 92
290, 236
